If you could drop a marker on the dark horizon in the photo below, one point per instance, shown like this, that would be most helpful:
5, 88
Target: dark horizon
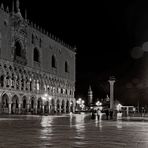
105, 34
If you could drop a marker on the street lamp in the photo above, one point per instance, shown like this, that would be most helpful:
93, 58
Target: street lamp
99, 104
46, 97
119, 107
80, 104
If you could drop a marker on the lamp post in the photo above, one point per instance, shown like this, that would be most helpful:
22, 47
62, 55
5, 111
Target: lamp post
99, 104
80, 104
46, 98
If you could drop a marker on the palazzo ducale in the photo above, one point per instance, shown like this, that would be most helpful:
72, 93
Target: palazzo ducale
37, 70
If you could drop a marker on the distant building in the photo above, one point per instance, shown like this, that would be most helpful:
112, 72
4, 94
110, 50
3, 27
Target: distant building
37, 73
90, 96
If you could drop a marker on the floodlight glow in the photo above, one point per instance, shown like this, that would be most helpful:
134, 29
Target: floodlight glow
49, 98
46, 95
44, 99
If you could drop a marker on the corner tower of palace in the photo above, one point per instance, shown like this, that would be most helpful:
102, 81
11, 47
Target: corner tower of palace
37, 73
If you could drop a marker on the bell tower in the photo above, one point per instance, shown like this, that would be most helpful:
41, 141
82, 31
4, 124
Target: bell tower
90, 96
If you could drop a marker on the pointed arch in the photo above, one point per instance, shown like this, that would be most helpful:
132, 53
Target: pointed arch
36, 55
53, 62
18, 48
4, 103
66, 66
32, 39
15, 104
63, 106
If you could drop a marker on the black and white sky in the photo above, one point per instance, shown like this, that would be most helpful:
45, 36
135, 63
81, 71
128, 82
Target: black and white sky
111, 39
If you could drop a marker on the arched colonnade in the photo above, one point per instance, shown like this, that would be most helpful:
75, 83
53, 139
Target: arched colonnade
17, 104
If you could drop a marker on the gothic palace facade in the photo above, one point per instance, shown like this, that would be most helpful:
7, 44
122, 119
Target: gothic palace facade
37, 72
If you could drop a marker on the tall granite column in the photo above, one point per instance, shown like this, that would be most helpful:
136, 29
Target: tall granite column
111, 82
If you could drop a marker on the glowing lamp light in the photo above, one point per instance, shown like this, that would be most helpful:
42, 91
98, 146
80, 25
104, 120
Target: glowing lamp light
49, 98
46, 95
44, 99
98, 103
119, 107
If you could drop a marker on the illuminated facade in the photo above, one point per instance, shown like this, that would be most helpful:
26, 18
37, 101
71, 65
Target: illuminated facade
37, 72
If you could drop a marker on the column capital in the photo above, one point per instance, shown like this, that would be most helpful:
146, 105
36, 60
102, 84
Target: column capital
111, 82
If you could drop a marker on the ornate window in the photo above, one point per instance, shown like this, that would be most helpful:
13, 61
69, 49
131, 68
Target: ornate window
32, 40
19, 52
40, 43
2, 81
66, 67
53, 62
18, 49
36, 56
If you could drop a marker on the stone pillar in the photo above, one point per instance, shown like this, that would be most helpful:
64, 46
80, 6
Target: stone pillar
65, 108
55, 107
9, 108
74, 107
19, 108
60, 109
127, 111
111, 82
25, 85
49, 108
69, 107
14, 83
20, 83
5, 81
28, 106
43, 109
90, 96
35, 108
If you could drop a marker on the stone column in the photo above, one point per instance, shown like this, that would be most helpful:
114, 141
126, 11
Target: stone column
14, 83
5, 81
35, 108
20, 83
1, 101
49, 107
19, 108
43, 109
127, 111
60, 107
65, 107
55, 107
74, 107
69, 107
111, 82
25, 85
9, 108
28, 106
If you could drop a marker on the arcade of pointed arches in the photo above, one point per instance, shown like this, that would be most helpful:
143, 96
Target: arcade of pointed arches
16, 104
22, 91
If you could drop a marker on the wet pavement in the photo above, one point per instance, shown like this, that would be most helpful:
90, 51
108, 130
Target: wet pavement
71, 131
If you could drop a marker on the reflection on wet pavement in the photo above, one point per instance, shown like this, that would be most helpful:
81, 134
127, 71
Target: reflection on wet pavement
70, 131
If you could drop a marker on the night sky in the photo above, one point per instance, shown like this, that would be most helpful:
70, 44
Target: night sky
111, 39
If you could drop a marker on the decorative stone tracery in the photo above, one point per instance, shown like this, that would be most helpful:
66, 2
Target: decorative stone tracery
26, 81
